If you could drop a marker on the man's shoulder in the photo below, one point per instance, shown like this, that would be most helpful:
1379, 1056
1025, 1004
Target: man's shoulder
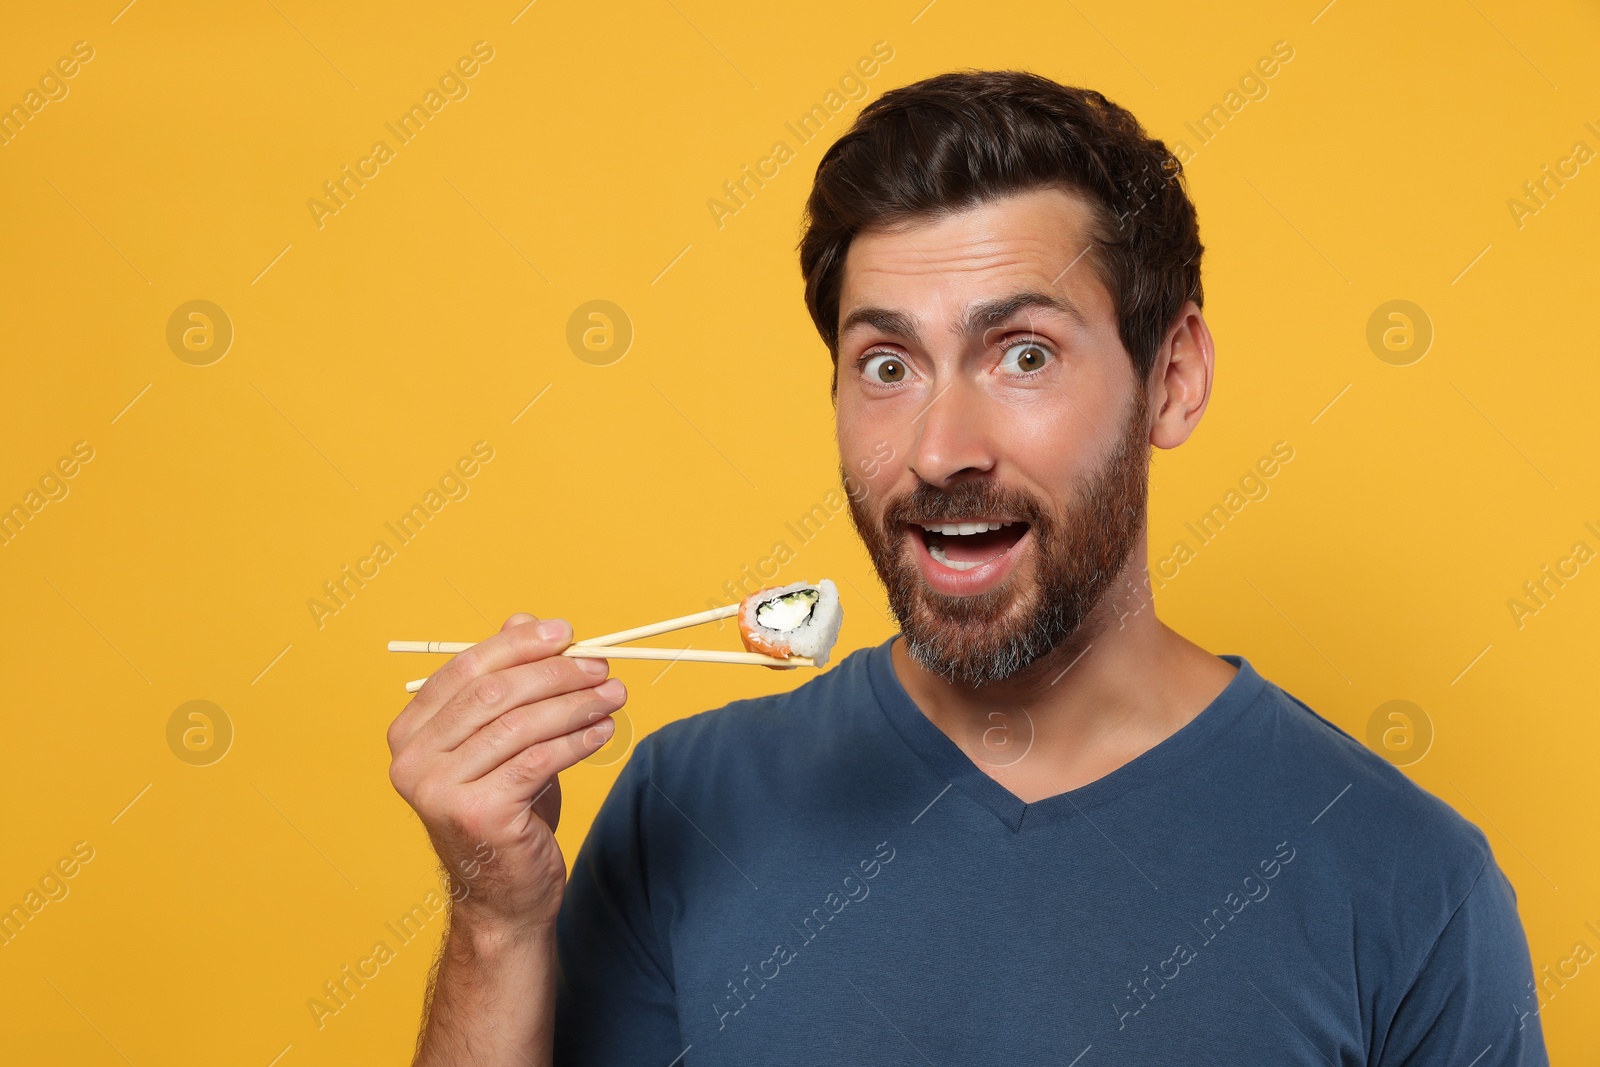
1367, 808
799, 725
764, 773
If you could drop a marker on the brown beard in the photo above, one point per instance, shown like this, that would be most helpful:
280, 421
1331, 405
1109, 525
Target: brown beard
1077, 553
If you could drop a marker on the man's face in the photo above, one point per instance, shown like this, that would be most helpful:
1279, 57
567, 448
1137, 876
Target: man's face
991, 430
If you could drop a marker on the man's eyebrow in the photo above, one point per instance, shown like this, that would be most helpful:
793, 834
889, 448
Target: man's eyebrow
991, 313
893, 323
979, 318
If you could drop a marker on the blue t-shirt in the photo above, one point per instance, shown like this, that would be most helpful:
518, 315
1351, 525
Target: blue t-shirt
823, 877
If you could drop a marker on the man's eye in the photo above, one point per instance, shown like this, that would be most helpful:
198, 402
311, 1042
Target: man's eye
885, 368
1025, 357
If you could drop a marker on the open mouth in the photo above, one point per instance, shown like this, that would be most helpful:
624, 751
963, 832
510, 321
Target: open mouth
962, 546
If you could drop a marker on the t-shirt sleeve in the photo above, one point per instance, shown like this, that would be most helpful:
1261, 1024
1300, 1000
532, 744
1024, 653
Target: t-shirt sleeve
614, 998
1473, 1001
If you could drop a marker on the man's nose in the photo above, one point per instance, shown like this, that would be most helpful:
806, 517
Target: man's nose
954, 435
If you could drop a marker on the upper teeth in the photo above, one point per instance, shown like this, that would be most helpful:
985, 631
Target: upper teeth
961, 529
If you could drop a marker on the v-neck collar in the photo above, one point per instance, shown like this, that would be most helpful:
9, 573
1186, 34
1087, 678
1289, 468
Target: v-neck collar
948, 761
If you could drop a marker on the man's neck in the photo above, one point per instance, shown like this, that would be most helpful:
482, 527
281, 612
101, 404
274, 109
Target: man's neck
1091, 705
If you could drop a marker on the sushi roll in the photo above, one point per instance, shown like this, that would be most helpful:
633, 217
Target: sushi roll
792, 620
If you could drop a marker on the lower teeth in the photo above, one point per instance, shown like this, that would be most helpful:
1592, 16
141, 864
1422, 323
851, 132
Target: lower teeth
937, 552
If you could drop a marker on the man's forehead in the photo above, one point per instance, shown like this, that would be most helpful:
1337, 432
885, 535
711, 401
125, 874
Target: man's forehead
1027, 248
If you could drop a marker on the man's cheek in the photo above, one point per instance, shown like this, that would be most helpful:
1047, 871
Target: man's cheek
870, 453
879, 459
867, 482
875, 474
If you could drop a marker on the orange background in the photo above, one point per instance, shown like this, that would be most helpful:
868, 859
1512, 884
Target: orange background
371, 352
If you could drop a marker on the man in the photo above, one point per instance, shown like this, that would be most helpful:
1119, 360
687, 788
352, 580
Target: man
1038, 826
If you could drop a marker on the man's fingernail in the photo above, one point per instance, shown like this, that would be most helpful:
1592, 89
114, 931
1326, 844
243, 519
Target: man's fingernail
554, 630
595, 667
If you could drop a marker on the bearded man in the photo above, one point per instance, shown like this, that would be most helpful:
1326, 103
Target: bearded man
1036, 826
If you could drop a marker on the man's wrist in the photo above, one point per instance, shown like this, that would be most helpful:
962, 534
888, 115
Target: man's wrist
478, 934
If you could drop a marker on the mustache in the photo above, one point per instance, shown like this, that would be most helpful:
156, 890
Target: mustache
964, 500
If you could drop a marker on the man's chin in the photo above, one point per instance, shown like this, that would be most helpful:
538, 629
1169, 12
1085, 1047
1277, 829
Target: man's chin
974, 640
963, 660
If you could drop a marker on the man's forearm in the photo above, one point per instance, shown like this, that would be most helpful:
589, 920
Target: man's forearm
492, 998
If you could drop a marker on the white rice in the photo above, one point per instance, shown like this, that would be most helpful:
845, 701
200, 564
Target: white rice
814, 636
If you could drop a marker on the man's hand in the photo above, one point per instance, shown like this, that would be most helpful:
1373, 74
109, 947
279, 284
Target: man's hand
476, 754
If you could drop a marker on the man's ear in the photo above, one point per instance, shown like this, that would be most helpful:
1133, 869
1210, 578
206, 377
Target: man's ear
1180, 384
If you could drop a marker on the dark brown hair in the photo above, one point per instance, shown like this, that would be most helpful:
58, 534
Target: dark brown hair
955, 140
